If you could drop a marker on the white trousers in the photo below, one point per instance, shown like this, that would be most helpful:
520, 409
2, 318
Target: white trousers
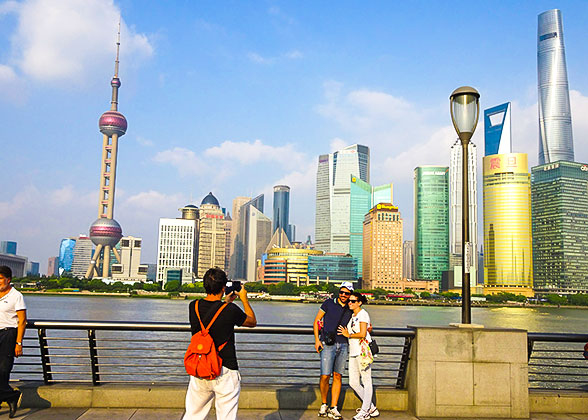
366, 391
225, 389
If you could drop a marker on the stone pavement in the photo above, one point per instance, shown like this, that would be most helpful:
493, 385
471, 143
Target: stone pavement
175, 414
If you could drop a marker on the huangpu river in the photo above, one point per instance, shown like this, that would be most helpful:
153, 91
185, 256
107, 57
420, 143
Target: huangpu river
64, 308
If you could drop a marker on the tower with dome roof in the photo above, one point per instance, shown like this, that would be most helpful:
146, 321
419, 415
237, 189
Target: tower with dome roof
106, 232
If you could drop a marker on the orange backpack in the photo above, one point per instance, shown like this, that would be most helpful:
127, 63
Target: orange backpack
202, 358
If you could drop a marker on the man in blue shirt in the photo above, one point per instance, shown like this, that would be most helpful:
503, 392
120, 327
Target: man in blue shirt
332, 347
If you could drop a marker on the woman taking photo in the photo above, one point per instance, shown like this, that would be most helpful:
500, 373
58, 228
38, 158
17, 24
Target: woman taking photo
357, 331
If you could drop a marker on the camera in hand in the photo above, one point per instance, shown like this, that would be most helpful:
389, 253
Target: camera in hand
232, 286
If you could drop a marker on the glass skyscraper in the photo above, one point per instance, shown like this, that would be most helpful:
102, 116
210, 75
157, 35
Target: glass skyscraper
559, 193
497, 130
282, 210
66, 254
431, 221
332, 268
555, 117
333, 193
362, 197
8, 247
508, 265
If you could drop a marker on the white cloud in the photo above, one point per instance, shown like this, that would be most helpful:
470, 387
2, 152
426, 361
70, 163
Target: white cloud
12, 86
338, 144
9, 7
257, 58
294, 55
67, 40
260, 59
184, 160
248, 153
144, 142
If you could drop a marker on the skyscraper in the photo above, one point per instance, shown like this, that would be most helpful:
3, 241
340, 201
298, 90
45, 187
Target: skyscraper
282, 209
555, 117
382, 247
332, 195
8, 247
431, 221
211, 236
497, 130
455, 201
66, 250
408, 260
105, 232
130, 267
508, 265
559, 193
254, 234
238, 202
53, 266
362, 197
82, 255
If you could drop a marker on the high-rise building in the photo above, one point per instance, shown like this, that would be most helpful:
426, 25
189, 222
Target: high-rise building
228, 239
82, 255
106, 232
53, 266
455, 201
382, 247
497, 130
66, 250
8, 247
17, 263
258, 234
559, 197
177, 245
431, 222
408, 260
362, 197
287, 264
332, 268
555, 118
332, 195
33, 268
130, 267
211, 236
508, 264
282, 209
236, 243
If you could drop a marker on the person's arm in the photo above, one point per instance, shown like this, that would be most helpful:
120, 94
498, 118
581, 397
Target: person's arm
361, 334
22, 324
317, 342
251, 321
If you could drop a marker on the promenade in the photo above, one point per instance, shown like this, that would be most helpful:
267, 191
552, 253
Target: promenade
176, 414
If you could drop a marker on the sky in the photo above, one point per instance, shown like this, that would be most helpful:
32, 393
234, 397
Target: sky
236, 97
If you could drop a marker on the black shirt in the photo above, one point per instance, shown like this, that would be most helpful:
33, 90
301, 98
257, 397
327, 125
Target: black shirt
333, 313
223, 328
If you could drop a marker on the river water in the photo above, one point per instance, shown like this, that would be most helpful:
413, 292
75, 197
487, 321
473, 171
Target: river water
286, 313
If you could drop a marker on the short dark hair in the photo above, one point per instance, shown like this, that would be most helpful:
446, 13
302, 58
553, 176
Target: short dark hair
6, 271
214, 280
360, 297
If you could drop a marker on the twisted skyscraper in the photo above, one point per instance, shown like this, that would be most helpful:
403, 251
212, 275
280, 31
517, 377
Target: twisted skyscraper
105, 232
555, 118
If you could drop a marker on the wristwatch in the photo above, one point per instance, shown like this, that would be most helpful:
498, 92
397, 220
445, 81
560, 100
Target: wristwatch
18, 344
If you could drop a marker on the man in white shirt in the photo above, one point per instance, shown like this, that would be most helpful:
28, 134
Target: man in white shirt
13, 321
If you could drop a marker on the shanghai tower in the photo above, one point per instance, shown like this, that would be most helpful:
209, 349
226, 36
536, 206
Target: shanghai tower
555, 118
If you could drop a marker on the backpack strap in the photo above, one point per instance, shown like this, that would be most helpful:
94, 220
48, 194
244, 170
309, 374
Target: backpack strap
223, 306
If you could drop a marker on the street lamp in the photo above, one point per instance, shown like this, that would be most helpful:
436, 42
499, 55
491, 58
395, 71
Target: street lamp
464, 105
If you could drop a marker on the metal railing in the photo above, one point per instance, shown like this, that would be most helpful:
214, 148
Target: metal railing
556, 361
138, 352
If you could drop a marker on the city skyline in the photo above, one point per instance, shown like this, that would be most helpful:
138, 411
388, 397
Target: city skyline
295, 97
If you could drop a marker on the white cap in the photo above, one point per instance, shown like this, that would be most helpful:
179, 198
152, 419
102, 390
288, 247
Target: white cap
347, 284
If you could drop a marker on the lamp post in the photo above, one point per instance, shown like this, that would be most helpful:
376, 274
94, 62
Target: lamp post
464, 105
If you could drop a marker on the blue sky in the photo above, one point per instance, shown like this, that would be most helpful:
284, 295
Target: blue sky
235, 97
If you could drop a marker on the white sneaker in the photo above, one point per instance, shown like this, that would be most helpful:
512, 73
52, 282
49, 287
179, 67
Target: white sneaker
362, 415
373, 411
323, 410
334, 413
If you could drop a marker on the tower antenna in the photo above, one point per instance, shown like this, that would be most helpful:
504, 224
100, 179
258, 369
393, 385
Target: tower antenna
117, 50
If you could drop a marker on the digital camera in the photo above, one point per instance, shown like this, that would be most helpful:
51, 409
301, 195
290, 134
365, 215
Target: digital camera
232, 286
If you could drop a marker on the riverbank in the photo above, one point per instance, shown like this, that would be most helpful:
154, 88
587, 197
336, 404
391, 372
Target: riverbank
292, 299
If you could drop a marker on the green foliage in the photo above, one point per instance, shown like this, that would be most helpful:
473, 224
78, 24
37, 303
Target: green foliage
193, 287
284, 289
425, 295
450, 295
152, 287
579, 299
172, 286
556, 299
256, 287
503, 297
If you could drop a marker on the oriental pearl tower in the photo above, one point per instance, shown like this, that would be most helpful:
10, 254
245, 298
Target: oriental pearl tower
105, 232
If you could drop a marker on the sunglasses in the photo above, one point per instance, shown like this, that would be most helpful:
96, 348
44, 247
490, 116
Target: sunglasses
353, 300
345, 293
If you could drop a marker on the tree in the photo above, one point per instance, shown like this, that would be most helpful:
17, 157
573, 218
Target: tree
152, 287
256, 287
556, 299
579, 299
425, 295
172, 286
284, 289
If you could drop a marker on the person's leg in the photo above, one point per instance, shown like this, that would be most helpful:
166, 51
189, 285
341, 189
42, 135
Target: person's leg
327, 362
354, 375
341, 355
7, 344
368, 390
227, 388
198, 399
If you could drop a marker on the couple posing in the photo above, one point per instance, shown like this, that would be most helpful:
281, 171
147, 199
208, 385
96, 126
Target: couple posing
345, 324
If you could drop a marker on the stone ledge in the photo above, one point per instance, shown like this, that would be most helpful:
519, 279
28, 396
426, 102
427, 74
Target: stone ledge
38, 395
558, 402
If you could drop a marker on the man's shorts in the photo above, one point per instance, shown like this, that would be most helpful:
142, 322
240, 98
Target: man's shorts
333, 358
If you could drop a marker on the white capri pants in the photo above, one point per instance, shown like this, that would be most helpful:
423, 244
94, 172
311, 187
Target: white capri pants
225, 389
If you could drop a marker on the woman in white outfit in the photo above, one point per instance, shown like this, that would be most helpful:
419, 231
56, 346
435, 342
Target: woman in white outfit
356, 330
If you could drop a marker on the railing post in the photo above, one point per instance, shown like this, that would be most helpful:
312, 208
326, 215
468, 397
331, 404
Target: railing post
530, 343
403, 363
45, 362
93, 357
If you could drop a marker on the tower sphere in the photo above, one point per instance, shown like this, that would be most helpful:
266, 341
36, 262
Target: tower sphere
115, 82
113, 122
105, 232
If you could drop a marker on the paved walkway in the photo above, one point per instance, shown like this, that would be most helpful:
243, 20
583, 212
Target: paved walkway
174, 414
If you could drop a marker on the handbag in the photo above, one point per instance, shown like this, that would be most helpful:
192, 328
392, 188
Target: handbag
374, 347
366, 358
